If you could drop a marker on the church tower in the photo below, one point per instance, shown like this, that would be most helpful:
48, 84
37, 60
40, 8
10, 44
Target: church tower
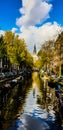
34, 50
34, 54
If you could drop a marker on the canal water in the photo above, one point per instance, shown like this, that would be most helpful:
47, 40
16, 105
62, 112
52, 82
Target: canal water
31, 106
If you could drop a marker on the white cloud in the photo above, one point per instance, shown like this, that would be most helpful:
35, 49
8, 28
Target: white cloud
34, 12
34, 35
14, 30
1, 32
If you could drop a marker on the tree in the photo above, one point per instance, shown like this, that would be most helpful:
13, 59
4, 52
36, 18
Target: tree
16, 50
2, 48
46, 54
59, 50
8, 43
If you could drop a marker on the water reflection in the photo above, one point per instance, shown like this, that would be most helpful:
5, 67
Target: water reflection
31, 106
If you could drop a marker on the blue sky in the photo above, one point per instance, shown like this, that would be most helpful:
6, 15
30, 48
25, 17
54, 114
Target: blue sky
35, 20
9, 11
57, 11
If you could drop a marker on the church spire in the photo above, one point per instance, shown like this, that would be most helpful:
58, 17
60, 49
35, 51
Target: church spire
34, 50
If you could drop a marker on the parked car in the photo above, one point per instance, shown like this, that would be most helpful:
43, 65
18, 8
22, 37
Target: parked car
14, 73
7, 74
60, 79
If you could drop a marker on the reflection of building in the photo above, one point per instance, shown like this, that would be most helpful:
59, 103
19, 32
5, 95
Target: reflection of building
34, 88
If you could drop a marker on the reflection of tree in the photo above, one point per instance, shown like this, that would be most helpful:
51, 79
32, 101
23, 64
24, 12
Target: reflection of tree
49, 102
16, 101
47, 97
34, 87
